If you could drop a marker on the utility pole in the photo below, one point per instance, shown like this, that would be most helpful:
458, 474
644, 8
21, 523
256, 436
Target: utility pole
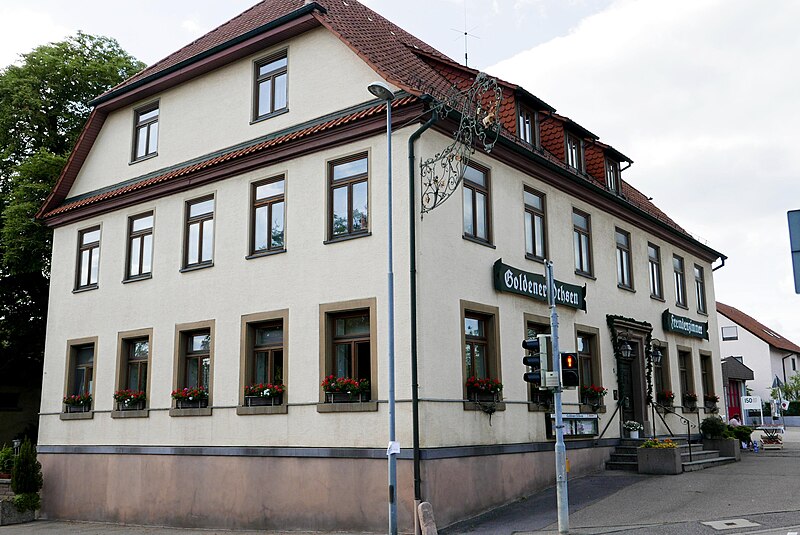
561, 450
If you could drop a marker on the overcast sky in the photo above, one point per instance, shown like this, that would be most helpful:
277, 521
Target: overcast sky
703, 95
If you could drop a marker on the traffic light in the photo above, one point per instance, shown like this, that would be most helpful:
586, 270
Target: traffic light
536, 359
569, 370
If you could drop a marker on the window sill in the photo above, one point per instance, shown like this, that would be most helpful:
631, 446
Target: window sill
476, 406
137, 279
591, 409
195, 267
626, 288
143, 158
684, 307
269, 115
585, 275
276, 409
538, 407
535, 258
364, 406
347, 237
479, 241
260, 254
85, 289
687, 410
76, 415
657, 298
144, 413
205, 411
702, 313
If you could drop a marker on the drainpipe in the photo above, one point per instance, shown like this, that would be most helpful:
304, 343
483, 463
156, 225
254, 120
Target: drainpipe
412, 264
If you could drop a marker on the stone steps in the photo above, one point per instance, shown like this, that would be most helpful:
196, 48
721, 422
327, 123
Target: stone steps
707, 463
624, 456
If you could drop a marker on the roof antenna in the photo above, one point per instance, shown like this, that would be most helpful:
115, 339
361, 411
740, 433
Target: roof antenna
466, 34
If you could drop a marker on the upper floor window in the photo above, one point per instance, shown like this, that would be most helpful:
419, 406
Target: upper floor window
534, 224
654, 266
199, 232
476, 204
137, 356
581, 233
527, 126
88, 258
82, 364
624, 278
680, 280
197, 359
700, 289
349, 197
268, 216
574, 152
270, 91
140, 246
145, 126
612, 176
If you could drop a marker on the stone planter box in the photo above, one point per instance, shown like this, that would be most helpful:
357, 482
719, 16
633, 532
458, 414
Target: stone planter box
727, 447
344, 397
261, 401
191, 404
10, 515
659, 460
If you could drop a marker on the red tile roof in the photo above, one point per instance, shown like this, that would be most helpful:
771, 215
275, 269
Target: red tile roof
757, 328
398, 56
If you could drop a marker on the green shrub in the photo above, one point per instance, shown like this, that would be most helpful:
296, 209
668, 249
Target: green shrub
713, 427
6, 459
26, 477
742, 433
28, 501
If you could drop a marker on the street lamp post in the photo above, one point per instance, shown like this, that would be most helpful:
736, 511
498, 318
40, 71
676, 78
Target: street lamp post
382, 91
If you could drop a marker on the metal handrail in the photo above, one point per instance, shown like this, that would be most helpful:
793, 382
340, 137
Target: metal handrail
611, 419
689, 424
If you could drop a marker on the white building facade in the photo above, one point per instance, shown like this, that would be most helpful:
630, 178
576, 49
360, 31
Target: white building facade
758, 347
222, 223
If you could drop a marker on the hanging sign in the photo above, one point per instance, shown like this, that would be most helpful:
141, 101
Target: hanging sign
516, 281
684, 326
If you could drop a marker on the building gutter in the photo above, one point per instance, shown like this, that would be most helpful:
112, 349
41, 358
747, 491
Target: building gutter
412, 266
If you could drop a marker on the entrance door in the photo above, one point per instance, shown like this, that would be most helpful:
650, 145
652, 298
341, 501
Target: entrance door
631, 386
734, 401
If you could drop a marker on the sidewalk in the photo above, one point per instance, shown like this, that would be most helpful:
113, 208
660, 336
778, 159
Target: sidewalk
761, 490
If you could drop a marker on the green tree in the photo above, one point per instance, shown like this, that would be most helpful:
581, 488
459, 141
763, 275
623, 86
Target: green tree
43, 107
26, 478
790, 390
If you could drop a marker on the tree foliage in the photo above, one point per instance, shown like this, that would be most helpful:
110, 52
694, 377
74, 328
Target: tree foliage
43, 107
790, 390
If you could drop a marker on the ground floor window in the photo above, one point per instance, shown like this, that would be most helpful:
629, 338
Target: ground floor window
479, 338
349, 348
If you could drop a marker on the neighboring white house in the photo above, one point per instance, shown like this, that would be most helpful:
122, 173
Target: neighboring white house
758, 347
222, 222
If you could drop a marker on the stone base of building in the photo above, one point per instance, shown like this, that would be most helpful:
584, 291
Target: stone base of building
246, 488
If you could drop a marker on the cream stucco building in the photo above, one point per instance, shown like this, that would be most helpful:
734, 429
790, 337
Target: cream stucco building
223, 222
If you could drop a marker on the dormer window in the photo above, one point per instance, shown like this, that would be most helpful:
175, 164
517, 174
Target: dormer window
575, 152
270, 91
526, 126
612, 176
145, 127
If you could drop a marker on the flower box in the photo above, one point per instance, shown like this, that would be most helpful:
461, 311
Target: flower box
77, 408
191, 403
483, 397
263, 401
345, 397
130, 405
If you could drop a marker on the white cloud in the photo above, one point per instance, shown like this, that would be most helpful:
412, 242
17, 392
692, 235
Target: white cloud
703, 96
193, 28
23, 29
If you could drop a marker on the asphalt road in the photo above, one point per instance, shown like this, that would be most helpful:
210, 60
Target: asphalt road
759, 495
